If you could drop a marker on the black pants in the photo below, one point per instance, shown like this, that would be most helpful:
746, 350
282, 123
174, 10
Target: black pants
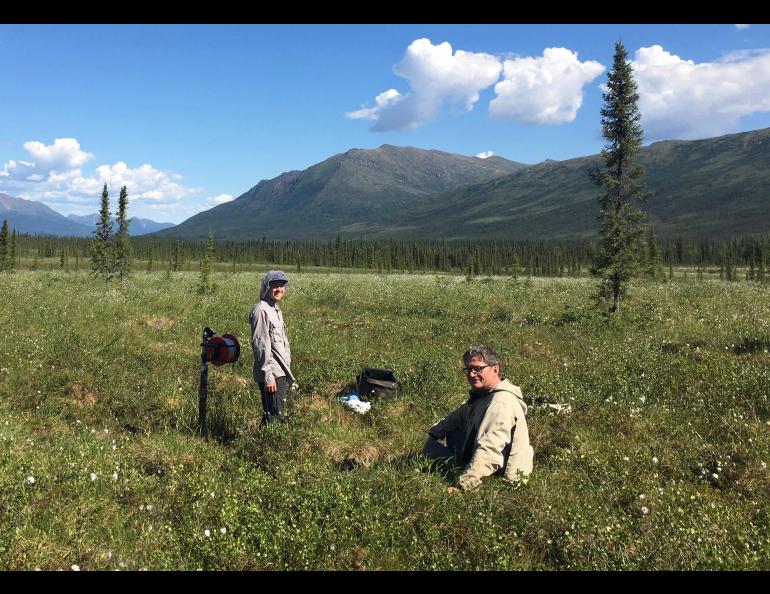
274, 404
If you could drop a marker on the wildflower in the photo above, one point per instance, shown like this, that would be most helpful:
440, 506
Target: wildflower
207, 533
645, 510
626, 458
654, 460
715, 475
30, 480
642, 496
114, 476
764, 465
75, 568
223, 530
93, 476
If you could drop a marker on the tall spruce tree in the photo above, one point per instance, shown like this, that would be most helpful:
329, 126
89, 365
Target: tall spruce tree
122, 241
620, 218
4, 245
101, 248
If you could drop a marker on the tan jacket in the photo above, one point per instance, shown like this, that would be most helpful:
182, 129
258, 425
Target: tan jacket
269, 343
495, 427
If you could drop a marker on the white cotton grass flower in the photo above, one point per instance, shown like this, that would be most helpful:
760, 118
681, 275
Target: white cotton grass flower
626, 458
75, 568
223, 530
207, 533
30, 480
654, 460
114, 476
645, 510
93, 476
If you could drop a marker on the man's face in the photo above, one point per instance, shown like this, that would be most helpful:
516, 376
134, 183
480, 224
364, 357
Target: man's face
276, 290
482, 375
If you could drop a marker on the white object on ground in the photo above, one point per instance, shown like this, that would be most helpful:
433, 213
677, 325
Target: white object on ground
354, 403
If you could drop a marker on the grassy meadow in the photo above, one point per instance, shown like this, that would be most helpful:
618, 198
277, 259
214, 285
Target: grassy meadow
662, 464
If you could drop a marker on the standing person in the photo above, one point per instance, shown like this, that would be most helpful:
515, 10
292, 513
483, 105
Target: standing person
488, 434
270, 346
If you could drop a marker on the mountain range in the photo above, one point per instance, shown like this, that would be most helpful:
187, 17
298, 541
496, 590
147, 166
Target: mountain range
716, 187
137, 226
30, 216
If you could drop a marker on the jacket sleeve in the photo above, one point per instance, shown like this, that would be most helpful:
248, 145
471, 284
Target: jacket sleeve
451, 422
493, 435
261, 344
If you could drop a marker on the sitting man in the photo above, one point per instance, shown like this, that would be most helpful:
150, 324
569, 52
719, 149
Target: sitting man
488, 434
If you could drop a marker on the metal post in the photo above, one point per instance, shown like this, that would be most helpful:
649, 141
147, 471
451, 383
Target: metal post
203, 389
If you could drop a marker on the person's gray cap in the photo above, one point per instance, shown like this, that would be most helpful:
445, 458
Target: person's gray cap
273, 275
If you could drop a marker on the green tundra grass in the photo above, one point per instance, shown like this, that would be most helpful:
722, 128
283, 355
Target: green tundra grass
662, 463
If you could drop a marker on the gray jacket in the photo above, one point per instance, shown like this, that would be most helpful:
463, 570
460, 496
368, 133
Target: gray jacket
269, 343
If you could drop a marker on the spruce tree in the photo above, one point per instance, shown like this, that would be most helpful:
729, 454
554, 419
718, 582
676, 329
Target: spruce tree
101, 249
123, 243
654, 267
204, 281
11, 259
620, 218
4, 245
176, 262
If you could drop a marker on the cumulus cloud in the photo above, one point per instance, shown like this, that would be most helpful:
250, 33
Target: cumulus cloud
217, 200
681, 99
543, 90
63, 155
485, 155
52, 175
437, 76
382, 101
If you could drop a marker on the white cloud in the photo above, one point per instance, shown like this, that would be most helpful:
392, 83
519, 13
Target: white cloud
681, 99
217, 200
485, 155
741, 27
543, 90
19, 170
53, 176
382, 101
63, 155
436, 76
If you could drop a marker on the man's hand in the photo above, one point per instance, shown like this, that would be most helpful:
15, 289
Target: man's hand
271, 387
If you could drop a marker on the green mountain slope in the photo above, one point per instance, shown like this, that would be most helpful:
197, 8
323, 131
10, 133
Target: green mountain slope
714, 187
345, 194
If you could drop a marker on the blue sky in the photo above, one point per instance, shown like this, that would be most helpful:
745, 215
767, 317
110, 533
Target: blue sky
189, 116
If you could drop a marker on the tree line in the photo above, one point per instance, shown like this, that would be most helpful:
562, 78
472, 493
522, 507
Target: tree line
478, 257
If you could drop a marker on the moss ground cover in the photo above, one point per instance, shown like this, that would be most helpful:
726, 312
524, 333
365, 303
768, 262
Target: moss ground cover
661, 465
